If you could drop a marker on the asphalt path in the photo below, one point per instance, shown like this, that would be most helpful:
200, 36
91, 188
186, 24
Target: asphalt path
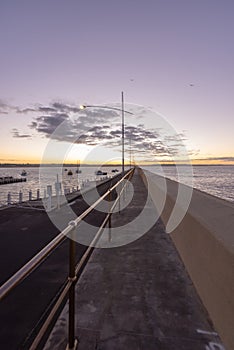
23, 233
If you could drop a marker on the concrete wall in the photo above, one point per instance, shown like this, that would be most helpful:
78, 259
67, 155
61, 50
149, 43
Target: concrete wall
205, 242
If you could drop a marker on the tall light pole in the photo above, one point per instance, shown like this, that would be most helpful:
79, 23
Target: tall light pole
122, 101
122, 110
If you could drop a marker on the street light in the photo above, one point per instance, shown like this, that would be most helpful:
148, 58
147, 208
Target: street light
122, 120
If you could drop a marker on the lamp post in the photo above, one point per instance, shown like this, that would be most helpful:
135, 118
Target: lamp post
122, 103
122, 110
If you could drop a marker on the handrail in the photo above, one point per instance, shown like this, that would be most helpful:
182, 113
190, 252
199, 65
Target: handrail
15, 279
69, 286
69, 282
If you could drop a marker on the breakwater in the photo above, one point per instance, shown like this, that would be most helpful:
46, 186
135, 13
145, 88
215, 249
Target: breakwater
205, 242
10, 180
36, 181
51, 194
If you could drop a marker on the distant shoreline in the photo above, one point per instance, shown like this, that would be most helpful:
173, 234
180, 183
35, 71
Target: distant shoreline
22, 165
56, 165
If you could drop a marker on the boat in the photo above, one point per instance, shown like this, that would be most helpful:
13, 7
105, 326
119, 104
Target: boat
23, 173
115, 170
69, 172
65, 169
99, 172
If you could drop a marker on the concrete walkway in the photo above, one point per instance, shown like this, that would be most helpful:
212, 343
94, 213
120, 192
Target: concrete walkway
137, 296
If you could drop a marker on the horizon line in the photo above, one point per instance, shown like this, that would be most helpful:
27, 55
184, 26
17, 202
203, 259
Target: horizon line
114, 164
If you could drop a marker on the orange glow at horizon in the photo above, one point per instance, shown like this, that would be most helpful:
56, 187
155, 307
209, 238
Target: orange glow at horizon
200, 161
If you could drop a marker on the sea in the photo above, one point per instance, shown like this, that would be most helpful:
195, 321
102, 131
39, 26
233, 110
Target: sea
39, 178
217, 180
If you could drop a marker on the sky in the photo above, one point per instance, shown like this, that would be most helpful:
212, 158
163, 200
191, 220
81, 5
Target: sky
172, 58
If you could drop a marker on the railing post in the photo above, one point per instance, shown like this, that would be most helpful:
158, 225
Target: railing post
72, 341
49, 199
20, 196
9, 198
110, 205
109, 210
58, 190
38, 194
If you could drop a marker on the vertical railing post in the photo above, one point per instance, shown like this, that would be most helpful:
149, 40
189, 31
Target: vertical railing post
38, 194
20, 196
109, 209
9, 198
72, 341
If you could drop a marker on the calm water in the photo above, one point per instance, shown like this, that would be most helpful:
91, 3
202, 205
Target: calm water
216, 180
48, 177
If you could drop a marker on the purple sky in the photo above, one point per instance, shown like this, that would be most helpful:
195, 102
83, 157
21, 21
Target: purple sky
89, 51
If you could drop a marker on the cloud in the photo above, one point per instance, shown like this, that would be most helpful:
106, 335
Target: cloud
56, 107
47, 124
96, 125
16, 134
65, 108
5, 108
91, 127
25, 110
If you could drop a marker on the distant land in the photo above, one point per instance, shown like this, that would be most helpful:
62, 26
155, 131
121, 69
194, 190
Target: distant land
28, 165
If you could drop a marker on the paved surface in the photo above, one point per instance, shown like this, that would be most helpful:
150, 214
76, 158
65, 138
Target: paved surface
137, 296
23, 233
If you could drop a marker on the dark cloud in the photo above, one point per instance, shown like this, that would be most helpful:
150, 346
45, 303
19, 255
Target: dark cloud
62, 107
116, 133
46, 109
99, 116
48, 123
55, 107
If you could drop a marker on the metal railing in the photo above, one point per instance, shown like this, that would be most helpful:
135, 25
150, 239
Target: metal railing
69, 287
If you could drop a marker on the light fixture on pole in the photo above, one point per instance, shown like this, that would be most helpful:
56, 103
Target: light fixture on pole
122, 110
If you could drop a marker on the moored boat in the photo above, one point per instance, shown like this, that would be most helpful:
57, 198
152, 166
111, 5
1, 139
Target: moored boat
99, 172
